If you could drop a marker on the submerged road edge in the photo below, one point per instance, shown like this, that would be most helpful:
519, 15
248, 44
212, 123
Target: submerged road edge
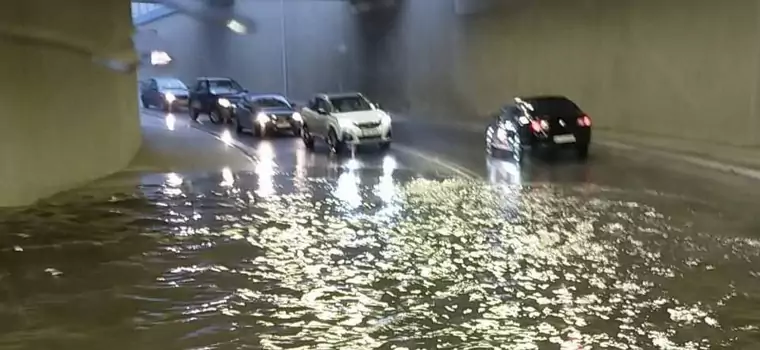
243, 148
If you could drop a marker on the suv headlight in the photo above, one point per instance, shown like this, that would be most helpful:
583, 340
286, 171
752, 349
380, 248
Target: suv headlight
224, 102
297, 117
169, 97
385, 119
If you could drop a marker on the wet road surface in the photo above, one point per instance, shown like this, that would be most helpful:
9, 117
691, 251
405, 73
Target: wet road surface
391, 251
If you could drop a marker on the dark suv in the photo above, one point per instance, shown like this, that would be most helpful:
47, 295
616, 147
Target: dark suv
215, 97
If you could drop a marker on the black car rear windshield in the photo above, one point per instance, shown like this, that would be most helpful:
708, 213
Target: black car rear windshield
270, 102
554, 107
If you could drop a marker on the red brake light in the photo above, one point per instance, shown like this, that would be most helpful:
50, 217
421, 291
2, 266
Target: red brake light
535, 125
584, 121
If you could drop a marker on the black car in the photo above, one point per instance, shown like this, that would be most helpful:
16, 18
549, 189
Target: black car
216, 97
163, 92
266, 113
549, 122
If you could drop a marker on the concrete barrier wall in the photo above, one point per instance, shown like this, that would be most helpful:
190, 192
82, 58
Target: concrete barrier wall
318, 40
65, 120
682, 69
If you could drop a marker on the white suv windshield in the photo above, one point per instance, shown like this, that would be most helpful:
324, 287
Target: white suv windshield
350, 104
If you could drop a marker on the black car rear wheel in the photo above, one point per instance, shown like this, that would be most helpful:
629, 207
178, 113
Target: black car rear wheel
582, 151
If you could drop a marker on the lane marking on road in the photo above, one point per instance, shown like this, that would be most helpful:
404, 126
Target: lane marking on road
240, 146
451, 166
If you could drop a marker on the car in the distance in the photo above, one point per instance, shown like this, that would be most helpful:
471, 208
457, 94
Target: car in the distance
164, 93
345, 120
215, 97
266, 113
548, 122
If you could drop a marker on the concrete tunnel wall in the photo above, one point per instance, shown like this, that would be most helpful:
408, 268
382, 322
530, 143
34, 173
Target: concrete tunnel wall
686, 70
65, 120
319, 44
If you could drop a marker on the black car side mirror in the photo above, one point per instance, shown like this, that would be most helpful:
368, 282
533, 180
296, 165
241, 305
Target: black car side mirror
321, 111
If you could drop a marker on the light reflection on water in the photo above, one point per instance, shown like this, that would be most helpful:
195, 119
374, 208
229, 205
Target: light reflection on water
216, 268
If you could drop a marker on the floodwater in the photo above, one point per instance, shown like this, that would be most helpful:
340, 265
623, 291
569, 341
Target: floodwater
366, 259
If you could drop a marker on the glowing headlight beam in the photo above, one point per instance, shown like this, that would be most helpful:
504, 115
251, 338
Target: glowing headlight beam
386, 119
297, 117
262, 118
224, 102
169, 97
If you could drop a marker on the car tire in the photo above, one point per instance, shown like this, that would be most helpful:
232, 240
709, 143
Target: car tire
257, 131
582, 151
336, 146
193, 114
215, 117
308, 139
145, 103
236, 124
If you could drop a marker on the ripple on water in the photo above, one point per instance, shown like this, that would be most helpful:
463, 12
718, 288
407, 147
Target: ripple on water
425, 264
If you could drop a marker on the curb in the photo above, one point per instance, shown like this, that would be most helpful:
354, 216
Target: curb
243, 148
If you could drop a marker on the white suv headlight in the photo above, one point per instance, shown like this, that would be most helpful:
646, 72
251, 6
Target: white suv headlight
297, 117
169, 97
385, 119
224, 102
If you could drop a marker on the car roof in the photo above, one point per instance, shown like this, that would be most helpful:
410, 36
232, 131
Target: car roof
213, 78
165, 78
539, 98
277, 96
340, 94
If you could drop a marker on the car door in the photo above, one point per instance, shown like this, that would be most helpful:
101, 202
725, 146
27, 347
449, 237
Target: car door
309, 113
154, 97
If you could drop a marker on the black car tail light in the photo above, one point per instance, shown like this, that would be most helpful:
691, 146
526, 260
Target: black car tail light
584, 121
535, 126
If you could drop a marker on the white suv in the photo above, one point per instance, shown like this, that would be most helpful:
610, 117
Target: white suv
346, 119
